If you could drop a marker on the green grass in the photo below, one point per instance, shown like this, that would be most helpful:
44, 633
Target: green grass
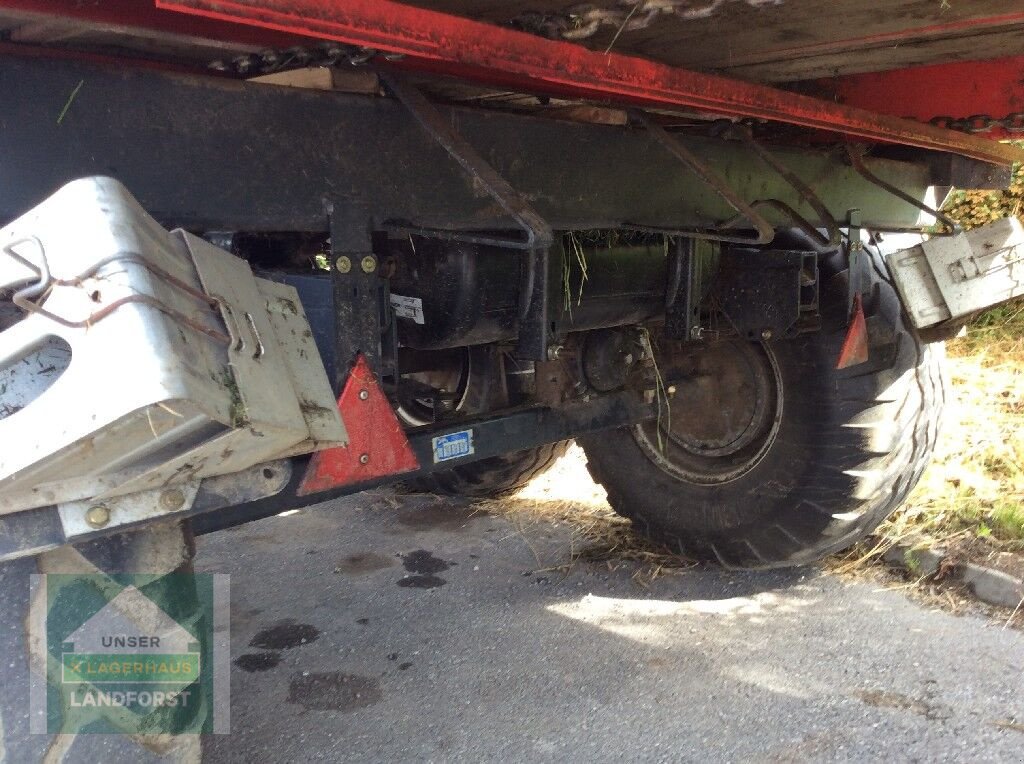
975, 486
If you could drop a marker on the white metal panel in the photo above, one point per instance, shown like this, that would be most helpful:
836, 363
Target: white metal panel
176, 368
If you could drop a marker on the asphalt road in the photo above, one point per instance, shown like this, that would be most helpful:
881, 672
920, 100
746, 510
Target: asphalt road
380, 628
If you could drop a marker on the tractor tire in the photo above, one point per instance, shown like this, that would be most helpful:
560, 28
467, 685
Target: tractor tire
773, 457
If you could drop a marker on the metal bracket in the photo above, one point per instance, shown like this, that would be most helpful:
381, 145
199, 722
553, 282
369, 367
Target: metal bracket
742, 133
534, 332
358, 291
765, 231
856, 154
945, 280
858, 278
682, 299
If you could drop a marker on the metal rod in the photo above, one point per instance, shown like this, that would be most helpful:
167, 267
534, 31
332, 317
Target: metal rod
765, 231
856, 154
537, 230
533, 305
828, 222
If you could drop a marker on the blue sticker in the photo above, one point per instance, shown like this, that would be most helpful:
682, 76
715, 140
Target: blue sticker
454, 445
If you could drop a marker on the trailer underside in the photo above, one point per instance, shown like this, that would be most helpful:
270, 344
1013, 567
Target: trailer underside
490, 136
257, 254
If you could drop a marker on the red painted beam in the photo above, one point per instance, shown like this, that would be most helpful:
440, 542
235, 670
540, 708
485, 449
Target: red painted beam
487, 53
958, 90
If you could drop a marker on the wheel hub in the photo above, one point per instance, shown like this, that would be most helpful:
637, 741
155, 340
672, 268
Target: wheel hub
724, 416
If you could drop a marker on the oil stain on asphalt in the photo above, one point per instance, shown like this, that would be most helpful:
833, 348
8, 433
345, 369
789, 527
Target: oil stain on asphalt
423, 565
258, 661
441, 516
363, 562
333, 691
285, 635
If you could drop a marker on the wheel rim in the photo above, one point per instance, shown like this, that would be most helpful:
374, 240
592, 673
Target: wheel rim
455, 379
724, 417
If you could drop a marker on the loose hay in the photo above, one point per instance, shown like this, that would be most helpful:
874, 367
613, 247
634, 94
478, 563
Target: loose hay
566, 496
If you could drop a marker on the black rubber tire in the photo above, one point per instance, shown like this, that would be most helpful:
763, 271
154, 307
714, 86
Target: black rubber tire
493, 477
850, 446
498, 475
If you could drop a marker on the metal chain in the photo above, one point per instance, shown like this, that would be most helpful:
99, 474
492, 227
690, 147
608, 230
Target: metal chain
327, 54
982, 123
577, 23
583, 21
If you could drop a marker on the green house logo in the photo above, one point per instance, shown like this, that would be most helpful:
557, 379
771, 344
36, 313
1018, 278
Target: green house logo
133, 654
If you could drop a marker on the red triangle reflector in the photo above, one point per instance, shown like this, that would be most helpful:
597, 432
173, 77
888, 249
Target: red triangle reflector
855, 346
377, 446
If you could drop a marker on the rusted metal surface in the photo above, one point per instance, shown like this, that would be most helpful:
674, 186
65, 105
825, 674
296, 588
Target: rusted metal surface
480, 52
982, 96
764, 231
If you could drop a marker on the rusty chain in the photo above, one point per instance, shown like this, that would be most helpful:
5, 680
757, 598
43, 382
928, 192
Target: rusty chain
580, 22
577, 23
982, 123
298, 57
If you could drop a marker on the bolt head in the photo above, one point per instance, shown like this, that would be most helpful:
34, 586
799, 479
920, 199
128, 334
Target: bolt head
97, 516
172, 499
343, 264
364, 394
364, 458
555, 352
671, 390
766, 334
368, 264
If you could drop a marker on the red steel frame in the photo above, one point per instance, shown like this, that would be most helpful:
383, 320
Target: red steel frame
486, 53
959, 90
445, 44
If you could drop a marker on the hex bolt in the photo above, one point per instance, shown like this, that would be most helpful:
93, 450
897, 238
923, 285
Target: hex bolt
343, 264
364, 458
671, 390
172, 499
766, 334
369, 264
364, 394
555, 352
97, 516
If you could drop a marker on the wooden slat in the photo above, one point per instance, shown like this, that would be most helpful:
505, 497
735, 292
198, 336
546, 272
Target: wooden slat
800, 39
